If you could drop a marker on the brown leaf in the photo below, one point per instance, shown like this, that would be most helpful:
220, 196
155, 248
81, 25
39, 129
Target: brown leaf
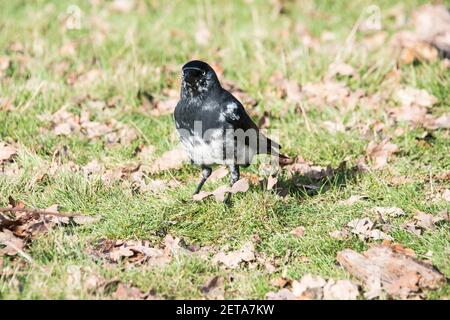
403, 285
271, 182
339, 234
172, 159
218, 174
380, 267
426, 220
352, 200
126, 292
282, 294
298, 232
410, 96
279, 282
380, 153
309, 287
232, 259
242, 185
82, 219
6, 152
432, 25
213, 288
201, 195
363, 228
342, 69
386, 213
340, 290
12, 243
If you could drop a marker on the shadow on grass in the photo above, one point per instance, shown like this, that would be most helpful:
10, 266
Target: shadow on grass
318, 182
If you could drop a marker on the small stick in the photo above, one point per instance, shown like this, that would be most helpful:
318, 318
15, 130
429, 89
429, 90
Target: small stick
41, 212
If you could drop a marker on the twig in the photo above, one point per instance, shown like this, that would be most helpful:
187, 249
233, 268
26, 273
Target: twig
41, 212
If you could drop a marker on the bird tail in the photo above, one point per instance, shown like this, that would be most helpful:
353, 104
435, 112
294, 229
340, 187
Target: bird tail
273, 148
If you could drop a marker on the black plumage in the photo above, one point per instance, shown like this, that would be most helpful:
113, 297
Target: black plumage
213, 125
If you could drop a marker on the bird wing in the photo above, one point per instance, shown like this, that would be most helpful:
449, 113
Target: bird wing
235, 114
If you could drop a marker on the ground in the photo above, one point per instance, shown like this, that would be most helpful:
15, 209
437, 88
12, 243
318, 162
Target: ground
142, 50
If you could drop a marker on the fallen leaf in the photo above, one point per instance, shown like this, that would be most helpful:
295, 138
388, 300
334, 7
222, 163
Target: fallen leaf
213, 288
339, 234
298, 232
426, 220
386, 213
410, 96
352, 200
446, 195
432, 25
233, 259
242, 185
380, 153
12, 243
172, 159
381, 268
218, 174
309, 287
6, 152
271, 182
363, 228
282, 294
340, 290
126, 292
341, 69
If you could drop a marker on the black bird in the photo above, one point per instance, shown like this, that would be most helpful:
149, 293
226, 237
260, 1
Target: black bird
214, 127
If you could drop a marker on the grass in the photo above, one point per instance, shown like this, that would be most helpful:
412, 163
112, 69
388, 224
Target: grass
144, 49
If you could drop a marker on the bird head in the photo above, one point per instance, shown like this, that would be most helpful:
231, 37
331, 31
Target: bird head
198, 78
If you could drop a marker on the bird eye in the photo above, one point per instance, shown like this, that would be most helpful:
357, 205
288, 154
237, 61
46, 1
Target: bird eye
203, 73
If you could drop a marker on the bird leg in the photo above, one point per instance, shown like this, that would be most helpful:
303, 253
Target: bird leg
234, 170
206, 172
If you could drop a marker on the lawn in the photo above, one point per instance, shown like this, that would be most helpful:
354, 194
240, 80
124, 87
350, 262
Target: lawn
118, 68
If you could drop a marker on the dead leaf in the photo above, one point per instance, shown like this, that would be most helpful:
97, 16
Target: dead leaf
410, 96
298, 232
380, 153
339, 234
426, 220
363, 228
242, 185
396, 273
233, 259
340, 290
446, 195
218, 174
352, 200
6, 152
279, 282
432, 25
213, 288
386, 213
309, 287
12, 243
172, 159
282, 294
126, 292
341, 69
271, 182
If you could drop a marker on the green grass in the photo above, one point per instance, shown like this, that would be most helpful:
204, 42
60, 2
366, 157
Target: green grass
144, 49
